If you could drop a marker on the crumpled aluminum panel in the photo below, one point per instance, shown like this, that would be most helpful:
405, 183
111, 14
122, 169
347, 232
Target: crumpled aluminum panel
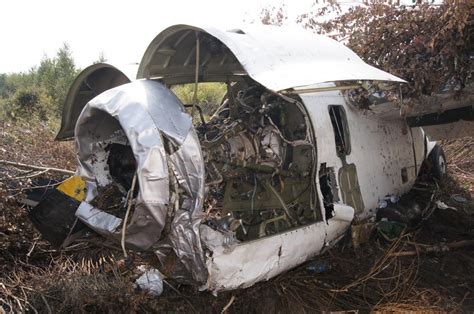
143, 114
279, 58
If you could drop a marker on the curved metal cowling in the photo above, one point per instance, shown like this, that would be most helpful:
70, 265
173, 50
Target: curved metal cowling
89, 83
145, 115
279, 58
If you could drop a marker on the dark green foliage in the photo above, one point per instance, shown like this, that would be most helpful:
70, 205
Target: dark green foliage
65, 72
25, 98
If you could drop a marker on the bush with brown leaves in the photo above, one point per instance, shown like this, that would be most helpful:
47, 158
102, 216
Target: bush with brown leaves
429, 46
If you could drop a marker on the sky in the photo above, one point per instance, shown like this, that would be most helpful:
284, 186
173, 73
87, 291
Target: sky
121, 30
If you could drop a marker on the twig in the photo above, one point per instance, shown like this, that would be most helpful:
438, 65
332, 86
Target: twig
69, 233
182, 296
435, 248
35, 187
35, 174
129, 206
32, 248
46, 303
376, 269
51, 169
228, 304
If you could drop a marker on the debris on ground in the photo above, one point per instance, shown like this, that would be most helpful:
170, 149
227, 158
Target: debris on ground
111, 200
428, 266
151, 280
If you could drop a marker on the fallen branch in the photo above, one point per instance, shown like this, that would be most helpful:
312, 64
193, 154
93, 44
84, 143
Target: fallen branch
45, 169
180, 294
129, 206
224, 310
443, 247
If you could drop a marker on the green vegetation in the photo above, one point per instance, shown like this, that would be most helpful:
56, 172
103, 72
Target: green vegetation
40, 92
209, 95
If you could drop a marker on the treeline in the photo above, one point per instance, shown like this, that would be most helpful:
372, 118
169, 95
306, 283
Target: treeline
41, 91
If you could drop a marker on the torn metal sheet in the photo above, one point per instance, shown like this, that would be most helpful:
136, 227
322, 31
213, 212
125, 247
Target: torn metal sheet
145, 115
262, 259
379, 158
102, 222
151, 281
277, 57
92, 81
281, 175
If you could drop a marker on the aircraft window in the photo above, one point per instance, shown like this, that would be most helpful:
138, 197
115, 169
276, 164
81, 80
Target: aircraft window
341, 130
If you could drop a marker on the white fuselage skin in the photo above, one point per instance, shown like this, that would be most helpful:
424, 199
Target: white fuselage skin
379, 150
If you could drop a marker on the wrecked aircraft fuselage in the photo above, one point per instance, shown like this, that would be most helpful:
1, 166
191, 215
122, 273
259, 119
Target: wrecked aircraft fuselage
277, 174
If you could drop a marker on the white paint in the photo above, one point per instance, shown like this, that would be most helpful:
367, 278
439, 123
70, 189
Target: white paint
379, 149
418, 136
265, 258
282, 57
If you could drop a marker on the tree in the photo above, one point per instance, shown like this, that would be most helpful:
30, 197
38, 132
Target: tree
46, 74
43, 89
3, 81
65, 71
427, 45
101, 58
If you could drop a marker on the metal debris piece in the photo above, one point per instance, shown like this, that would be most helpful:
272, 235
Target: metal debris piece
318, 267
442, 205
54, 217
392, 199
151, 280
149, 118
458, 198
390, 230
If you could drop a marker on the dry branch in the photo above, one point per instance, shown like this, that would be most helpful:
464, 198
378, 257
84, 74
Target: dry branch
443, 247
45, 169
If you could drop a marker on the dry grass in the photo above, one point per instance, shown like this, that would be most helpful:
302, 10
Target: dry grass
33, 142
460, 155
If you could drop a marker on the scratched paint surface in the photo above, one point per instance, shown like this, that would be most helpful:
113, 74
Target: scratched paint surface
379, 149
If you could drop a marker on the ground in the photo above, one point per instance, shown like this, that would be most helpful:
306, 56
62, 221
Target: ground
38, 278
